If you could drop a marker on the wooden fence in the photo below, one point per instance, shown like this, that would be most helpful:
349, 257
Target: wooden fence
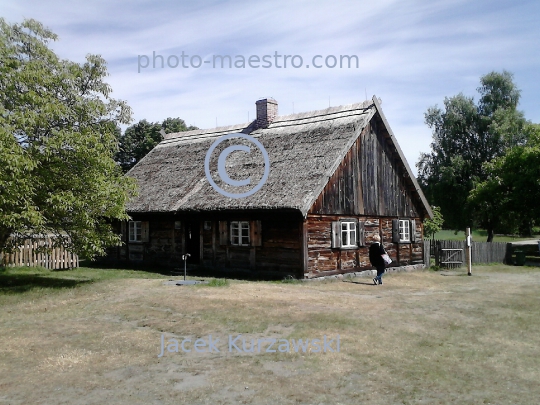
452, 253
40, 252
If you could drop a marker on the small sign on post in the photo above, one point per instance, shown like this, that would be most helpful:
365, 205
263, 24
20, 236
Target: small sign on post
184, 258
468, 246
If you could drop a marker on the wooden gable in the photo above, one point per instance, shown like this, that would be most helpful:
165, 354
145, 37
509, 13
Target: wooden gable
371, 180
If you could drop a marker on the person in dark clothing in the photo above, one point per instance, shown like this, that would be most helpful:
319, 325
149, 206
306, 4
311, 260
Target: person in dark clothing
376, 250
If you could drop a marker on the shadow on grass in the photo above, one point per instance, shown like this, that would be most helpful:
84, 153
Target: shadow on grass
114, 265
21, 283
193, 270
358, 282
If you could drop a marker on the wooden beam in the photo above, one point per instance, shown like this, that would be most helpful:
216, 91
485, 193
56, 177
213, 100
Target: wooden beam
304, 247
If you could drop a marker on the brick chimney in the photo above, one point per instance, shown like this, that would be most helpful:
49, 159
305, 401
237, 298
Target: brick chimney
267, 111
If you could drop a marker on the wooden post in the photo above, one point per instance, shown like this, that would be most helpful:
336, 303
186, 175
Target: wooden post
468, 246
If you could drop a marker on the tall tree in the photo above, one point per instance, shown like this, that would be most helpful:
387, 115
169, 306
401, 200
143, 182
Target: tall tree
511, 190
142, 137
466, 136
57, 143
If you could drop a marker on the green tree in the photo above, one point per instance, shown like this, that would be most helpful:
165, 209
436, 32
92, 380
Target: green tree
57, 143
142, 137
511, 190
466, 135
432, 226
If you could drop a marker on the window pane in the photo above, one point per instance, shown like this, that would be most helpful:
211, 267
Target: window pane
404, 230
245, 230
348, 234
240, 233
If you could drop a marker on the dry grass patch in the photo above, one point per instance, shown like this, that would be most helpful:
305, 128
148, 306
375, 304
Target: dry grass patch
422, 337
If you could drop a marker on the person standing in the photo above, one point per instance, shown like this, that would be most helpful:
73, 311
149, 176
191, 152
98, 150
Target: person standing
376, 250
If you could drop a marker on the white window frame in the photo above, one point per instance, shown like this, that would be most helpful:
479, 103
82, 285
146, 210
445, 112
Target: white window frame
404, 230
240, 233
348, 234
135, 231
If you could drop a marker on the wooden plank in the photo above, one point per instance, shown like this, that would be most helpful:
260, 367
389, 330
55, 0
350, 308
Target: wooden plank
201, 240
304, 251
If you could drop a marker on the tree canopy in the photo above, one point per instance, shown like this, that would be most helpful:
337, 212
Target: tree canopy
511, 190
57, 142
466, 136
142, 137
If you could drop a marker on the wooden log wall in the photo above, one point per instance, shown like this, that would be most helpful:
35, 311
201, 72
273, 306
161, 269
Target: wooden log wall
324, 260
280, 251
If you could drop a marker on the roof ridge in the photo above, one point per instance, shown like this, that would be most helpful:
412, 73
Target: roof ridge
280, 121
327, 111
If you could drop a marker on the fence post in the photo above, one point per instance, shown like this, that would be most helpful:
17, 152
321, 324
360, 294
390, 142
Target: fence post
469, 253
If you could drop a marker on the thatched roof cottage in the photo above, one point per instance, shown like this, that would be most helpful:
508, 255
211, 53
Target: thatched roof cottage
335, 178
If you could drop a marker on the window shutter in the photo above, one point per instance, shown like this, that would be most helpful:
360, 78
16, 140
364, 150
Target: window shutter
336, 234
360, 234
123, 230
223, 234
413, 230
395, 231
255, 233
145, 231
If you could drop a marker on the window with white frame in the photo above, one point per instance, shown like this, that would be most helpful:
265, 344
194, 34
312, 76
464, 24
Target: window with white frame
348, 234
240, 233
135, 231
404, 230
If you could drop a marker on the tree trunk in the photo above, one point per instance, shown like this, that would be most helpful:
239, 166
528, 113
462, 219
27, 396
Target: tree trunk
490, 234
4, 235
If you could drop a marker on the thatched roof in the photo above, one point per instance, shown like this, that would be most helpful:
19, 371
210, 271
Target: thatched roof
304, 151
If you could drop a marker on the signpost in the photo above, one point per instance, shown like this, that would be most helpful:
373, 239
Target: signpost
468, 245
184, 258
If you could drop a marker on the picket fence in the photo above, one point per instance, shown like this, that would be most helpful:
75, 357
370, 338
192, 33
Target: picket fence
40, 252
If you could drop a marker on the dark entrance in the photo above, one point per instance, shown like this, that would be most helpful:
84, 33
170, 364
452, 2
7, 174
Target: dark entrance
193, 241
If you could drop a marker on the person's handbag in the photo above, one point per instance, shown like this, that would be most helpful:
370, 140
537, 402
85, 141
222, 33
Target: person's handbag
386, 258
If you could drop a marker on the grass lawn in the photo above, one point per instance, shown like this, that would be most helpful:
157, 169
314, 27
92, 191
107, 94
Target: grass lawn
479, 236
92, 336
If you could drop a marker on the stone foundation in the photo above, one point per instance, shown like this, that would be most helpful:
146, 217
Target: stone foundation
367, 273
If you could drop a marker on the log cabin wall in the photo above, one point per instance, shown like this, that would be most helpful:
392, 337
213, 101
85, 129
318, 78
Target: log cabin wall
279, 250
325, 260
277, 253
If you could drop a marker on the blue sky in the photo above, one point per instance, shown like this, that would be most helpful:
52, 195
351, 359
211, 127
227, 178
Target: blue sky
411, 54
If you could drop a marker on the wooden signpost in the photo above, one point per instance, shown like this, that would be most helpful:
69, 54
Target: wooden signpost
468, 246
